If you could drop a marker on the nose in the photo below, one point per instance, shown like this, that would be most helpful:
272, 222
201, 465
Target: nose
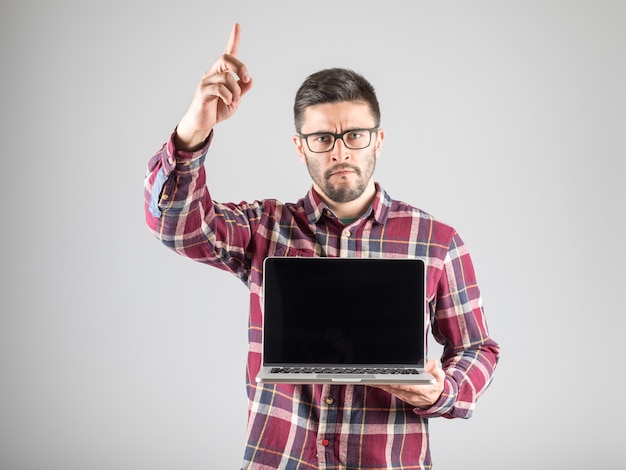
340, 151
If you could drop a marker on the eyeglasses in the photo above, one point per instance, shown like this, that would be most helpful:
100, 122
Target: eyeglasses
354, 139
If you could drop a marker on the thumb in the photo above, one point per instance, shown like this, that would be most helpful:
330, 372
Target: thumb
245, 85
430, 366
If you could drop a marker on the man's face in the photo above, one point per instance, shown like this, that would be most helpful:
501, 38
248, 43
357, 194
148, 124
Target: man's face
342, 174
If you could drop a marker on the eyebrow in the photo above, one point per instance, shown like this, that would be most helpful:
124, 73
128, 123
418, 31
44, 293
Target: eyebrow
338, 133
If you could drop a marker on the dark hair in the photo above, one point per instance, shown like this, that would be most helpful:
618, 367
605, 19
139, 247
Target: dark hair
334, 85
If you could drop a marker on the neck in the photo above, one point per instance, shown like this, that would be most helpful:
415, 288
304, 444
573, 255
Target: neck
351, 209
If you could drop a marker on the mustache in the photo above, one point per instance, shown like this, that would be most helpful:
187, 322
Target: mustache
340, 167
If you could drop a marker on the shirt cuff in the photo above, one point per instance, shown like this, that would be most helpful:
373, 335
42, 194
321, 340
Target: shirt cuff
171, 157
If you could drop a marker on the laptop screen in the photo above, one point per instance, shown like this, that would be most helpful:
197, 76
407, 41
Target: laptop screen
343, 311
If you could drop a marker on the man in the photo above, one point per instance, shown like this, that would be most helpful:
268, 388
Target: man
347, 214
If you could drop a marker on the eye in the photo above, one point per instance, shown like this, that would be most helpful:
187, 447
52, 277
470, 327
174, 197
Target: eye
354, 135
323, 138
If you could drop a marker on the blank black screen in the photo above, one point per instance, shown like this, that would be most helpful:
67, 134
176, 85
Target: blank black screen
343, 311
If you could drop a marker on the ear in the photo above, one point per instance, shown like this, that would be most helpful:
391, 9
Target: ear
297, 141
380, 136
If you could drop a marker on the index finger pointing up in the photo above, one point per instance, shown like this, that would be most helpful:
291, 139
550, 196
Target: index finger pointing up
233, 41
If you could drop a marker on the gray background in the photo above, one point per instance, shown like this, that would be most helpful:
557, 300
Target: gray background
504, 119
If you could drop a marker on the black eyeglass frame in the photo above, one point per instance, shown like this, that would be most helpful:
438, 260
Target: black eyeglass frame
340, 136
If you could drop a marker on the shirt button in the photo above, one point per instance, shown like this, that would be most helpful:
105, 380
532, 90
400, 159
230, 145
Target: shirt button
170, 161
325, 442
346, 233
330, 400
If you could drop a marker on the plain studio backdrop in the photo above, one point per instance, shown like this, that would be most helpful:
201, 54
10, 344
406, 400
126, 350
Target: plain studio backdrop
504, 119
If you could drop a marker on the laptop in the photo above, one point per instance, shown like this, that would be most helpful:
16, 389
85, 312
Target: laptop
343, 321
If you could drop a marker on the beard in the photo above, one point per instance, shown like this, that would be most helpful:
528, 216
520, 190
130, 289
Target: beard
343, 192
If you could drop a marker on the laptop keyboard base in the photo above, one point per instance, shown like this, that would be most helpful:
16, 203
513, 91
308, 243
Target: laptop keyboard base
344, 370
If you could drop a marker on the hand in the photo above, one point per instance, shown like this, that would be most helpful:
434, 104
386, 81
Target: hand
420, 396
217, 96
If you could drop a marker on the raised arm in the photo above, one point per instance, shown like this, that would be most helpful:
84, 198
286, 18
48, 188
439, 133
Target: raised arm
178, 206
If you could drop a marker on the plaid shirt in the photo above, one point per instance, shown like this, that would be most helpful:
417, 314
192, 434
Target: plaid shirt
329, 426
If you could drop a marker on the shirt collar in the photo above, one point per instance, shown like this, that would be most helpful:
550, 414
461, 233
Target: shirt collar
379, 210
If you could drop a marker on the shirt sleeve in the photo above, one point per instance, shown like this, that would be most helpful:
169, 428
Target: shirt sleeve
180, 212
470, 355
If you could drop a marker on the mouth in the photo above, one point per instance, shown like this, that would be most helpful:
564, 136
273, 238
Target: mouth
342, 170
